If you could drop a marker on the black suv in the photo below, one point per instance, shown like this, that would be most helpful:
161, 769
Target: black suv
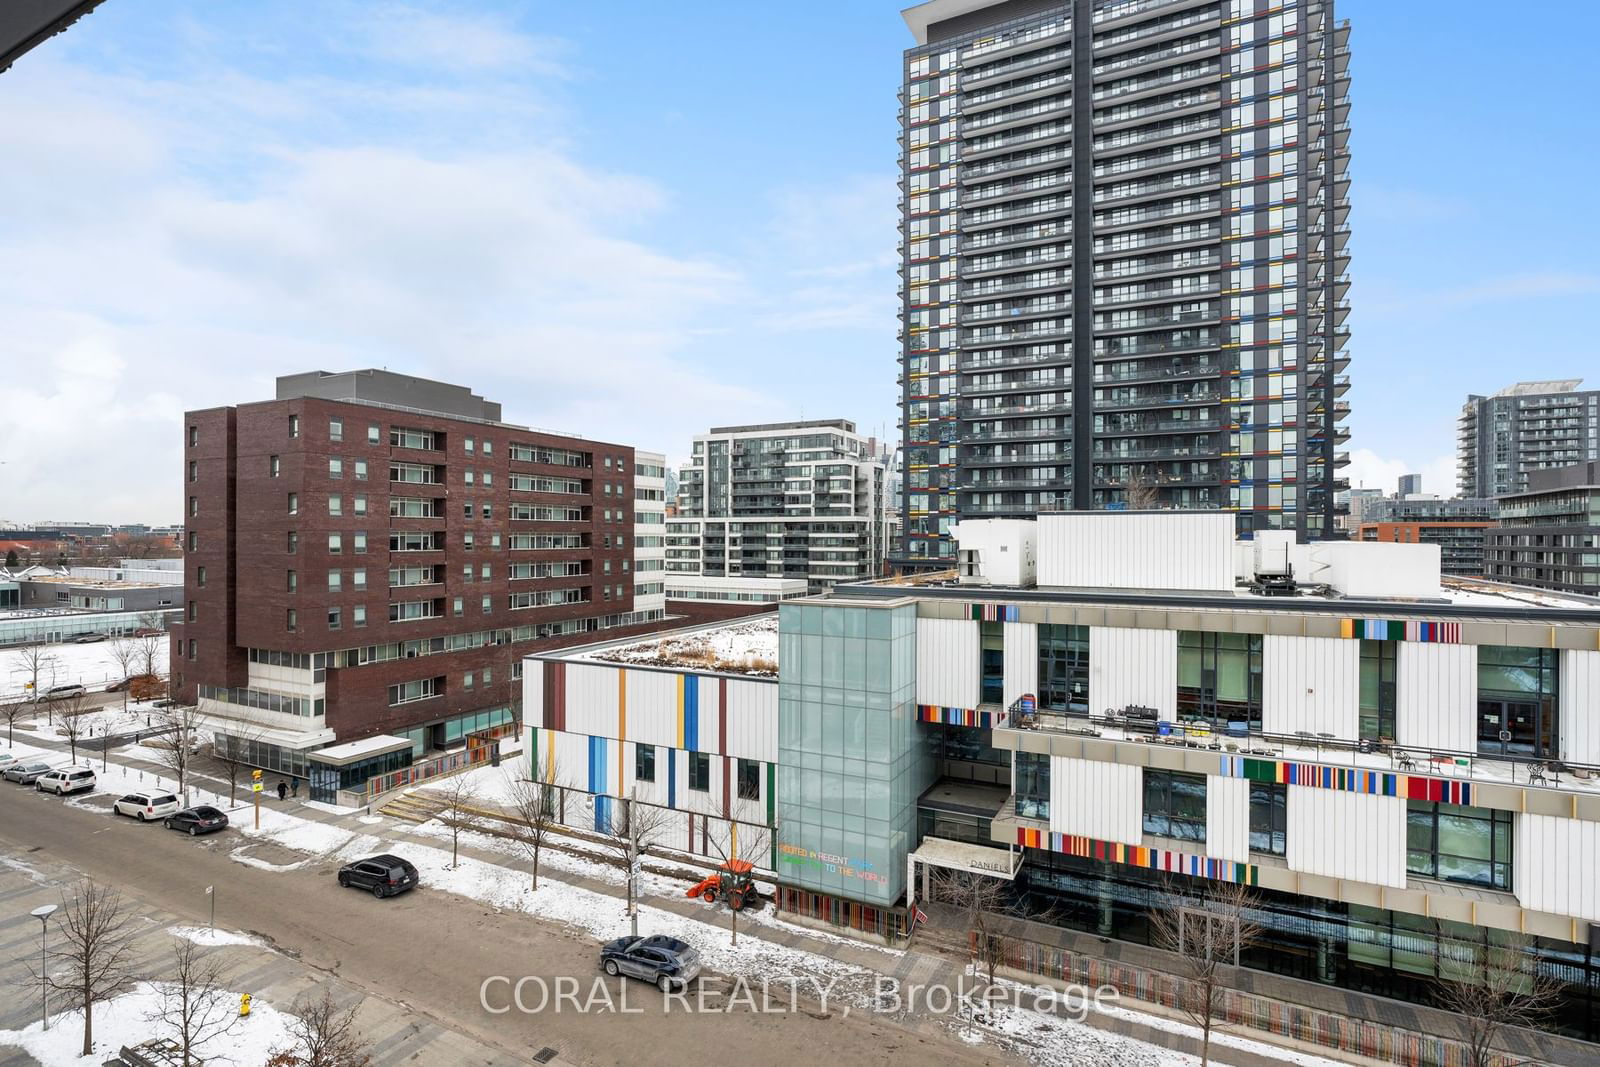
666, 961
384, 875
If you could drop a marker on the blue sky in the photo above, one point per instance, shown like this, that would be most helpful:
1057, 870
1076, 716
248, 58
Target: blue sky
636, 220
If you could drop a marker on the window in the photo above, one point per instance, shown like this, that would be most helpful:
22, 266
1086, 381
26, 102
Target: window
358, 578
194, 436
488, 448
466, 539
1175, 804
335, 581
193, 611
334, 618
468, 444
1219, 679
194, 648
360, 504
700, 771
290, 619
644, 763
406, 692
1517, 705
1032, 776
749, 779
336, 429
374, 433
993, 661
488, 511
466, 510
291, 581
335, 467
486, 570
194, 506
1378, 672
358, 615
194, 471
1064, 668
294, 425
359, 542
488, 477
488, 605
194, 541
335, 544
274, 466
200, 576
335, 504
361, 470
466, 680
294, 541
1459, 844
1269, 817
467, 476
466, 572
294, 503
456, 607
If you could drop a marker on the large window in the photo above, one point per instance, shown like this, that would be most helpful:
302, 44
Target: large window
1175, 804
1219, 679
1459, 844
1032, 790
644, 763
1517, 700
1269, 817
1064, 668
1378, 690
749, 779
993, 641
700, 771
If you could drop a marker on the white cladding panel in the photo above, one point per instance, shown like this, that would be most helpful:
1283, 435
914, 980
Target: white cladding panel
1129, 666
1436, 698
1228, 818
653, 708
1355, 836
1553, 866
1096, 799
592, 699
646, 792
1022, 660
708, 802
753, 721
533, 691
1311, 684
948, 663
1580, 706
1137, 550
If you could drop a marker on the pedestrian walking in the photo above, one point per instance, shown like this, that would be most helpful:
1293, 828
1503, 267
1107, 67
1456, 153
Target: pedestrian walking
283, 790
294, 787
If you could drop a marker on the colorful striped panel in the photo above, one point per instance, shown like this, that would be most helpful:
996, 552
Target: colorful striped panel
1156, 859
1441, 633
1348, 779
956, 716
996, 613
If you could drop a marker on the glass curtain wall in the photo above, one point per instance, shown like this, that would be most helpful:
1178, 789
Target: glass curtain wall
1219, 679
1064, 668
1378, 667
1517, 706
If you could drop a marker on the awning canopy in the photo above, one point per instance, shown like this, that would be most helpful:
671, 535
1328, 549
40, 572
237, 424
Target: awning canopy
963, 856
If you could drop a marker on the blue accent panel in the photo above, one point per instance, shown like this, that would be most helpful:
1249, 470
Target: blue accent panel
672, 778
597, 764
691, 713
602, 814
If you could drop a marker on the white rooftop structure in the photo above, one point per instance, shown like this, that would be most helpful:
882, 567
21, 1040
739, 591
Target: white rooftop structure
1557, 385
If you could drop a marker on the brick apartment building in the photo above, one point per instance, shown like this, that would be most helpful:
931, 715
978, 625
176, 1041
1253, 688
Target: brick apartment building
369, 556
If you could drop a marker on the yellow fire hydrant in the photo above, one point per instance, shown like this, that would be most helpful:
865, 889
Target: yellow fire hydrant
244, 1005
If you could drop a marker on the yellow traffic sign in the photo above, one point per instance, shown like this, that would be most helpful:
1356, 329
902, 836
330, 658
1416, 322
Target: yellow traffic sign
256, 775
255, 787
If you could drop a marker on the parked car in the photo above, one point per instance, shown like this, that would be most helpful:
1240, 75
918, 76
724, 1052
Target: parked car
665, 961
60, 692
201, 819
66, 780
146, 631
383, 875
26, 772
88, 639
6, 760
117, 687
146, 806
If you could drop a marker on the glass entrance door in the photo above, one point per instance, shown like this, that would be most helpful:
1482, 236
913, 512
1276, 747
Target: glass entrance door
1514, 728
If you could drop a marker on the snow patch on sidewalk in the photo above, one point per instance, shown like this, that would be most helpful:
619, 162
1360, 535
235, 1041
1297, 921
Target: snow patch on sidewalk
210, 938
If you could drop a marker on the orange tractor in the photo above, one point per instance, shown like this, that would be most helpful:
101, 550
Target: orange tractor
733, 881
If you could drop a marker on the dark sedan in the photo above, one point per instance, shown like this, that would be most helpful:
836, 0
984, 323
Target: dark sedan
200, 820
666, 961
383, 876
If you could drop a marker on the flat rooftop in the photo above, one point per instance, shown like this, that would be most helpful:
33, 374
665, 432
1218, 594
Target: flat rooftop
744, 646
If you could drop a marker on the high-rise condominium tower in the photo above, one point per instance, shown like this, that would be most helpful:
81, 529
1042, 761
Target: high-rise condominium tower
1501, 439
1123, 255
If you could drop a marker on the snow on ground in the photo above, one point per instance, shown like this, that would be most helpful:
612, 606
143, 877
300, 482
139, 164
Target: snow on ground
209, 938
92, 666
749, 647
126, 1021
113, 720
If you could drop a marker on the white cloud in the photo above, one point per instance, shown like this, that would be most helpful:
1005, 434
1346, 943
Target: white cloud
1369, 470
191, 239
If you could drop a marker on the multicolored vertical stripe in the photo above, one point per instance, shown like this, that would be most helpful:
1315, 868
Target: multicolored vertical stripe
1439, 633
1155, 859
960, 716
997, 613
1348, 779
689, 712
622, 729
554, 711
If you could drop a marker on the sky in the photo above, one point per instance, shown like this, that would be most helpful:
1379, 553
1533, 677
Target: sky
635, 221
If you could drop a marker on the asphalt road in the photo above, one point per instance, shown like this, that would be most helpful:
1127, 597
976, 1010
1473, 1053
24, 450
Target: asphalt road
433, 950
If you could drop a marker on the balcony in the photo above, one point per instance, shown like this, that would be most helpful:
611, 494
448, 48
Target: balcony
1037, 433
995, 120
1009, 42
1017, 90
997, 264
1134, 241
988, 74
1134, 427
1106, 322
1041, 332
1125, 191
1152, 293
1039, 233
1013, 411
1053, 205
1108, 221
1151, 373
1152, 134
1198, 45
1009, 190
1192, 72
1029, 161
1055, 279
1158, 400
1025, 385
1113, 347
1030, 309
984, 146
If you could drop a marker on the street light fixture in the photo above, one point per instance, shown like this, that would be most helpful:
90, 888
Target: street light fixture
43, 913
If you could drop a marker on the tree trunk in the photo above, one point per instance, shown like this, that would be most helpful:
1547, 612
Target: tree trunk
536, 846
88, 1024
1205, 1042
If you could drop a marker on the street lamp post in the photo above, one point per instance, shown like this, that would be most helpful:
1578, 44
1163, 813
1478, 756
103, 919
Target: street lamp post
43, 913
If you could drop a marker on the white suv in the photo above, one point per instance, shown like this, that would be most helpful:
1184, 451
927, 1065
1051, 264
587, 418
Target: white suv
143, 806
66, 780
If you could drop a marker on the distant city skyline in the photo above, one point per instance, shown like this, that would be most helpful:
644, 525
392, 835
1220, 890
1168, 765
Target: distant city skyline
476, 193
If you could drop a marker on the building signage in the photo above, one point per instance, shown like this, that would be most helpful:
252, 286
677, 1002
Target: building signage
825, 861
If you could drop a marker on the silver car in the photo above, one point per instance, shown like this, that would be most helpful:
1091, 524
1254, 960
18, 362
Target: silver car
26, 772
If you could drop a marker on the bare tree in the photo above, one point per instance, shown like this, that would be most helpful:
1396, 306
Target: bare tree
1207, 933
125, 651
740, 849
147, 653
461, 800
94, 962
1139, 490
232, 749
74, 719
194, 1002
11, 713
533, 808
983, 901
33, 661
631, 831
177, 743
322, 1035
1494, 987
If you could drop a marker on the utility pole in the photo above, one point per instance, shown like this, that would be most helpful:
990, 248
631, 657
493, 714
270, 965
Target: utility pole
211, 891
633, 864
255, 793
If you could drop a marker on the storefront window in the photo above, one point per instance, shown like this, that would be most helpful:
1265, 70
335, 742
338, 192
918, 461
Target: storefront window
1459, 844
1517, 701
1219, 679
1064, 668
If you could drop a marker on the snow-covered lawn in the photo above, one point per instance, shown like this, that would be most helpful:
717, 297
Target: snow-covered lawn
113, 720
126, 1020
92, 666
209, 938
